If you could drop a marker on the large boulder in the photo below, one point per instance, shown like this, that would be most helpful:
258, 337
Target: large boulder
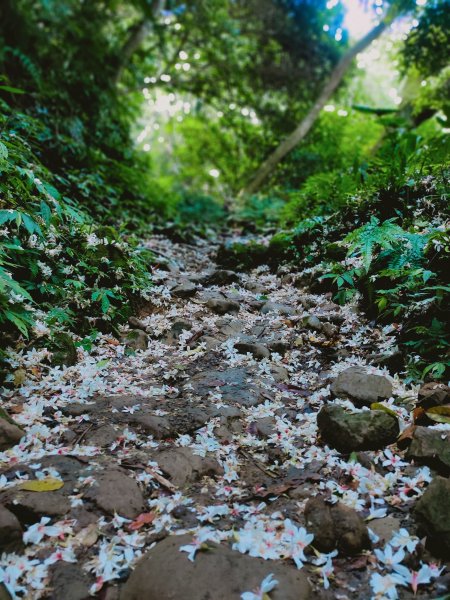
336, 526
347, 432
115, 492
165, 573
361, 387
432, 512
431, 447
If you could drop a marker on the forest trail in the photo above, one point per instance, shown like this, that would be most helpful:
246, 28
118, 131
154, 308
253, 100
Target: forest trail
207, 437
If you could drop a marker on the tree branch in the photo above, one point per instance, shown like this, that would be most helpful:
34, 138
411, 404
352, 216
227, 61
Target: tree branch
305, 126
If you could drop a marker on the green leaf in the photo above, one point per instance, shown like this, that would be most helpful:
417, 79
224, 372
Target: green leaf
426, 275
3, 151
45, 212
7, 215
11, 90
21, 325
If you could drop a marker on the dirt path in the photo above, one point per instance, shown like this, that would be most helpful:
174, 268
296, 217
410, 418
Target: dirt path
202, 449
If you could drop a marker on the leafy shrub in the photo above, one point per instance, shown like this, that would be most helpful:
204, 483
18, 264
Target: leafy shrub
58, 268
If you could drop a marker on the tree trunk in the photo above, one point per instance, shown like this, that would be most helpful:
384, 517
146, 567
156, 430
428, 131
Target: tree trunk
303, 128
136, 35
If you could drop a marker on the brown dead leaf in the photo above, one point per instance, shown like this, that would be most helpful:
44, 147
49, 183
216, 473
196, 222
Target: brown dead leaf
141, 520
404, 439
88, 536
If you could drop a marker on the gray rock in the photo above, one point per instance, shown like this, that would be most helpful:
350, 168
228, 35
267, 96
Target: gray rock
329, 330
258, 351
312, 322
186, 289
115, 492
384, 528
175, 331
431, 447
233, 384
279, 373
136, 323
222, 306
361, 387
265, 426
136, 339
103, 435
10, 433
158, 427
282, 309
219, 574
184, 467
336, 526
10, 531
211, 342
432, 512
220, 277
256, 288
347, 432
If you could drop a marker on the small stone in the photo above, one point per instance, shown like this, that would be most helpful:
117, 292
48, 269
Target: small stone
183, 466
135, 339
10, 531
347, 432
186, 289
279, 373
312, 322
258, 351
265, 426
220, 277
136, 323
432, 512
222, 306
384, 528
233, 384
10, 433
210, 342
336, 526
361, 387
433, 394
431, 447
256, 288
282, 309
329, 330
158, 427
165, 572
104, 435
115, 492
172, 337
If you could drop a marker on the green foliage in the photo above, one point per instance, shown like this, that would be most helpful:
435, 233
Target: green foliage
59, 270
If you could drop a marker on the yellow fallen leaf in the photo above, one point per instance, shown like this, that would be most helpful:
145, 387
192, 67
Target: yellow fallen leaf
439, 414
20, 376
383, 407
50, 484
